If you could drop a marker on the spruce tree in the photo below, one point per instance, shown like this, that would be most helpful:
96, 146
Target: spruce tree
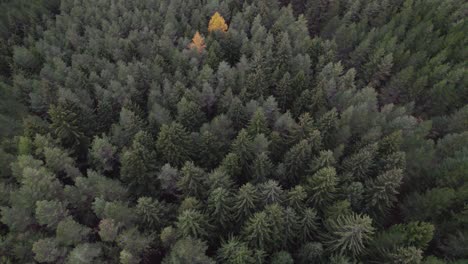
174, 144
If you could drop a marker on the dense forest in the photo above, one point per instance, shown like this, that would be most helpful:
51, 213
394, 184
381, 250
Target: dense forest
233, 131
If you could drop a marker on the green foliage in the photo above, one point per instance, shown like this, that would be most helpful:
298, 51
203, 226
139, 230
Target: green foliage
322, 185
235, 252
321, 131
188, 250
69, 232
220, 203
103, 153
174, 144
282, 257
193, 180
349, 233
191, 222
257, 231
47, 250
84, 253
138, 168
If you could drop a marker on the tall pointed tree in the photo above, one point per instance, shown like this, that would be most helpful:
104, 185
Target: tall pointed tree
174, 143
217, 23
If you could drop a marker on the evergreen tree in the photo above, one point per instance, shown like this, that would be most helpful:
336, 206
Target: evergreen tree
258, 124
245, 202
307, 225
193, 180
174, 144
262, 168
271, 192
220, 207
192, 223
349, 233
257, 231
322, 186
296, 161
188, 250
235, 251
103, 153
139, 167
189, 114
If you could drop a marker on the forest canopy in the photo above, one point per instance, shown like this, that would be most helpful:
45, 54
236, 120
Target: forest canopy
320, 131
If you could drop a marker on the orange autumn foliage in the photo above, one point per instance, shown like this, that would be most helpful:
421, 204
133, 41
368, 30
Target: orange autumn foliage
217, 23
198, 42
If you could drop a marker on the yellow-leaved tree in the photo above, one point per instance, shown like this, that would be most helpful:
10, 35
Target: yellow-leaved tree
198, 42
217, 23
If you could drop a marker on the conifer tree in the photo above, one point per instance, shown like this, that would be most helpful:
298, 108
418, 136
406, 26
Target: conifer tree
349, 233
262, 168
139, 167
188, 250
235, 251
242, 146
65, 125
245, 202
103, 153
258, 123
322, 186
217, 23
382, 190
220, 207
189, 114
271, 192
192, 223
193, 180
198, 42
296, 161
307, 225
257, 231
174, 144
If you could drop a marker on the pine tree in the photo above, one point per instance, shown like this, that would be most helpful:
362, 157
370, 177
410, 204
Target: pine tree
322, 186
243, 147
291, 227
282, 257
245, 202
258, 123
297, 197
50, 213
151, 212
271, 192
65, 125
296, 161
188, 250
276, 216
217, 23
47, 250
129, 124
307, 225
262, 168
70, 233
189, 114
349, 233
257, 231
235, 251
382, 191
360, 163
103, 153
284, 91
220, 207
193, 180
192, 223
198, 42
139, 167
174, 144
